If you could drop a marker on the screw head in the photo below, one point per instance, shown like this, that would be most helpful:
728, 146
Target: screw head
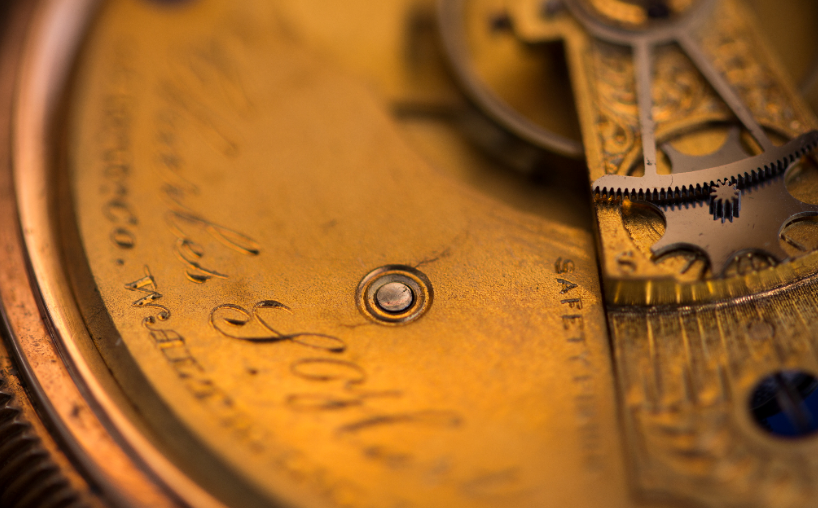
785, 404
394, 294
394, 297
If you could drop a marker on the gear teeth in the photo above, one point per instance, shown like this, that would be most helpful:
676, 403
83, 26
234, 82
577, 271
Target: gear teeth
700, 184
661, 195
725, 201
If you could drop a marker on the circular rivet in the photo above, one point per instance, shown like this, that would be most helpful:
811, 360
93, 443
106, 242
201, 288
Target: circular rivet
785, 404
394, 297
394, 294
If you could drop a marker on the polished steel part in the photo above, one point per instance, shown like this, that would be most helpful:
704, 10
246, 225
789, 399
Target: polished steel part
766, 209
731, 151
697, 179
394, 294
453, 32
643, 42
699, 86
758, 182
769, 208
394, 297
725, 201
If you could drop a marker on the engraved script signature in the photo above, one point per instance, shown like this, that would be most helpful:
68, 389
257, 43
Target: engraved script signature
186, 224
231, 325
203, 87
342, 381
193, 376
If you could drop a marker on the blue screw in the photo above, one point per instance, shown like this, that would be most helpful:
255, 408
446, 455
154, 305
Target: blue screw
785, 404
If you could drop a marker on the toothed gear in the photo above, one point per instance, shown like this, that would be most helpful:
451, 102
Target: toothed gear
766, 209
695, 182
704, 216
701, 197
725, 201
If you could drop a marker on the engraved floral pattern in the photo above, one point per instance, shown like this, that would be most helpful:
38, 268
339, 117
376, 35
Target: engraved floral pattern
737, 54
680, 96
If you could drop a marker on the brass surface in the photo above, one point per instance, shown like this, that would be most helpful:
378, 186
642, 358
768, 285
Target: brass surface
202, 198
231, 190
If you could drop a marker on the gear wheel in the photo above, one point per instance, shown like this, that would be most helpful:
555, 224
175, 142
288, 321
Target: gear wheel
725, 201
701, 203
695, 184
766, 209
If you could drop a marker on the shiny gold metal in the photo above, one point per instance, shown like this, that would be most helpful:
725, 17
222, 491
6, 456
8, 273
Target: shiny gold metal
205, 204
260, 185
200, 293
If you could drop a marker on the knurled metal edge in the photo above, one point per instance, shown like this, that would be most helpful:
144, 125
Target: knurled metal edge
695, 185
29, 477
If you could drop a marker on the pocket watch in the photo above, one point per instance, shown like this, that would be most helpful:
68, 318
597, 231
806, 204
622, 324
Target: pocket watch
409, 253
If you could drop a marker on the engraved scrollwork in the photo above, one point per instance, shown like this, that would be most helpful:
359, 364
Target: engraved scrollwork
736, 55
618, 137
617, 121
678, 89
680, 97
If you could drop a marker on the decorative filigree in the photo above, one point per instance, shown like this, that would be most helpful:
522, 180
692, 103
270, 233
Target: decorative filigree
736, 53
680, 95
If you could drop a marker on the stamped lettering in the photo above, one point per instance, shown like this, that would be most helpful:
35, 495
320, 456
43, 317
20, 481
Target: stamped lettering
580, 357
196, 380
